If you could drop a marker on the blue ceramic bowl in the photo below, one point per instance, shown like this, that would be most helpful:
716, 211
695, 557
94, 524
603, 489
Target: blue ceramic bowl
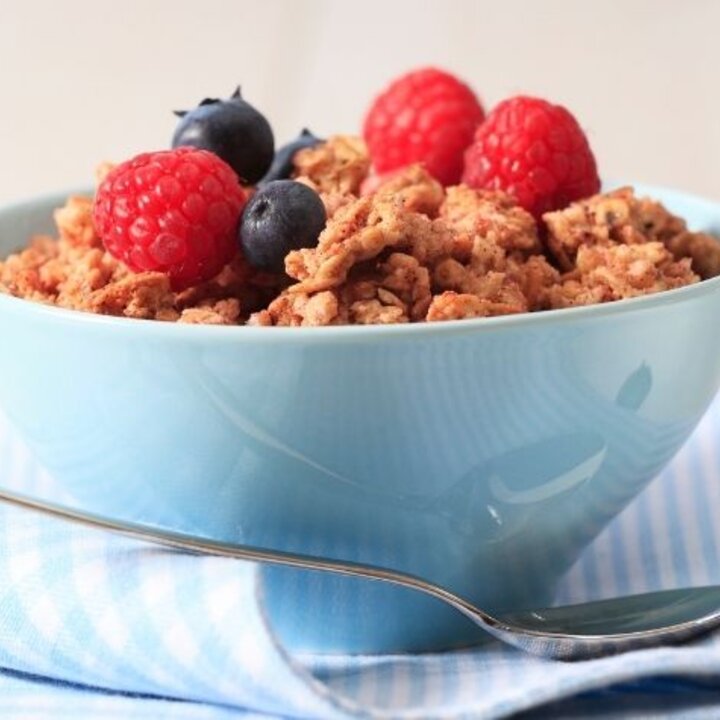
483, 455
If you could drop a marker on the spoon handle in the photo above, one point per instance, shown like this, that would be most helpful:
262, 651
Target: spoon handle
206, 546
572, 632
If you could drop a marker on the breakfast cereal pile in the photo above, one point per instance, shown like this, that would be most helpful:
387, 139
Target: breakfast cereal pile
331, 234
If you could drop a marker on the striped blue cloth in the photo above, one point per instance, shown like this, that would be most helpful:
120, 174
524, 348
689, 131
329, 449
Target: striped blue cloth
92, 625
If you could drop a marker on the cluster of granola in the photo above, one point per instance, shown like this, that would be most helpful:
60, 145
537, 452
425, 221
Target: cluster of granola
412, 251
74, 271
616, 246
402, 250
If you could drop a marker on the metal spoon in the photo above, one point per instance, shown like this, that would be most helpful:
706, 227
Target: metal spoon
572, 632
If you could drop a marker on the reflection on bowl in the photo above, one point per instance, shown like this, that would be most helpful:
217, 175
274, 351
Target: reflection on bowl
483, 455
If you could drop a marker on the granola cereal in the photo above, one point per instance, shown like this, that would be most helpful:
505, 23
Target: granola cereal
408, 250
336, 166
621, 217
75, 272
614, 272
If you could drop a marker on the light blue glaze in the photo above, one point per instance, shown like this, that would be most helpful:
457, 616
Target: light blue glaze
483, 455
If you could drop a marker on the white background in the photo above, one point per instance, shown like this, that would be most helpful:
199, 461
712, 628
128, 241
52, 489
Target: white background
88, 80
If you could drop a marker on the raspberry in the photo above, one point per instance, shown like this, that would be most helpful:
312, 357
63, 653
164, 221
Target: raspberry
426, 116
536, 152
173, 211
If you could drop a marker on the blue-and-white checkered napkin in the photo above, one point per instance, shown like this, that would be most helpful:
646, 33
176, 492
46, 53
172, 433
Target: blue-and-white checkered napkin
92, 625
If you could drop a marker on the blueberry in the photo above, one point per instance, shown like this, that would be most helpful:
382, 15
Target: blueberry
282, 164
232, 129
281, 216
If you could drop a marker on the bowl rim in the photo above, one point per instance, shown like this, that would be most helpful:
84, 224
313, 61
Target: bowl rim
332, 333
